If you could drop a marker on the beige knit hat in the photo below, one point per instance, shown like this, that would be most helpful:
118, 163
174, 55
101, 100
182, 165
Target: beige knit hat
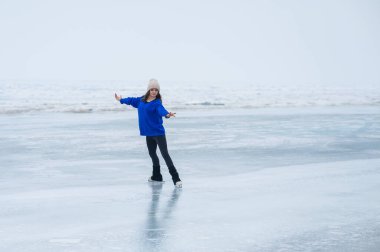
153, 83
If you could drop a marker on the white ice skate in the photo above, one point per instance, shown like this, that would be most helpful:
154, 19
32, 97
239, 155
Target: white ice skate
178, 184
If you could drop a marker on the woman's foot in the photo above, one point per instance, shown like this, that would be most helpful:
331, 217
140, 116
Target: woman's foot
155, 180
178, 184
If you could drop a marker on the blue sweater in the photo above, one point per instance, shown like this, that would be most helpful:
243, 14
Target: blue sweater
150, 115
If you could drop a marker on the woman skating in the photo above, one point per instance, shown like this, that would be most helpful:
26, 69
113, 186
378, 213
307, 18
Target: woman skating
151, 111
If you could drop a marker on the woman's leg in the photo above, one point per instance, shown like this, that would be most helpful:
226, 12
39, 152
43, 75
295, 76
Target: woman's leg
161, 140
152, 147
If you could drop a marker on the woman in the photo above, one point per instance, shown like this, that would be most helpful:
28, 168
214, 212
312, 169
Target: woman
151, 111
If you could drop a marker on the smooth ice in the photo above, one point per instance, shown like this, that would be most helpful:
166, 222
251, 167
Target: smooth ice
292, 179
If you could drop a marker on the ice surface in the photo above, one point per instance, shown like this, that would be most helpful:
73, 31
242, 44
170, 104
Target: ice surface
291, 179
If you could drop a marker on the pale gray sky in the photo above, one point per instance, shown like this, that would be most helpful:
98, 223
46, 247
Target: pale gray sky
261, 41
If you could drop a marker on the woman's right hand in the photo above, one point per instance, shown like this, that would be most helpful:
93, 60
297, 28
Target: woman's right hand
118, 97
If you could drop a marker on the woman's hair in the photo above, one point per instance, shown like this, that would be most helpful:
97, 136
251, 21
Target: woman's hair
146, 96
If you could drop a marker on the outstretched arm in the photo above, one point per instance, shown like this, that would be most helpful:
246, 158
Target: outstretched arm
133, 101
163, 112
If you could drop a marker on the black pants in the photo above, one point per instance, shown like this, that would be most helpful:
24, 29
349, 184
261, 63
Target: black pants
152, 142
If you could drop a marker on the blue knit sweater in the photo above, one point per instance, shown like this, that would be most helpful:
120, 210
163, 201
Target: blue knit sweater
150, 115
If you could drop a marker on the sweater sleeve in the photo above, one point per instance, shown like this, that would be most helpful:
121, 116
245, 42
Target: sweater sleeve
133, 101
161, 110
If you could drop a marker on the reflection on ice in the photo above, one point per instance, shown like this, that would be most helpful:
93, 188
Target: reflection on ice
158, 218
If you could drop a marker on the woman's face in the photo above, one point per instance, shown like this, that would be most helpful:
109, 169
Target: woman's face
153, 92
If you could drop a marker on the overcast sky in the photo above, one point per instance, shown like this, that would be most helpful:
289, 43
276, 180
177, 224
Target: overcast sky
261, 41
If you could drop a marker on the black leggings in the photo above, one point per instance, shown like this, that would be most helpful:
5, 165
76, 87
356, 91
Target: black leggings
152, 142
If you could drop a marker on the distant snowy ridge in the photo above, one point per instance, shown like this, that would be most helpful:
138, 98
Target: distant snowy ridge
92, 97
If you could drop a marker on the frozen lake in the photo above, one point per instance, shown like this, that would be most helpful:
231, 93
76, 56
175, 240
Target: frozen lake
267, 179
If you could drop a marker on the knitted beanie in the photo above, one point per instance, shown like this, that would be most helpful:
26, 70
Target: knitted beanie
153, 83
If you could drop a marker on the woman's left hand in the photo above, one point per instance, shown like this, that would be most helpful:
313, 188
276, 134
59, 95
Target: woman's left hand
171, 114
